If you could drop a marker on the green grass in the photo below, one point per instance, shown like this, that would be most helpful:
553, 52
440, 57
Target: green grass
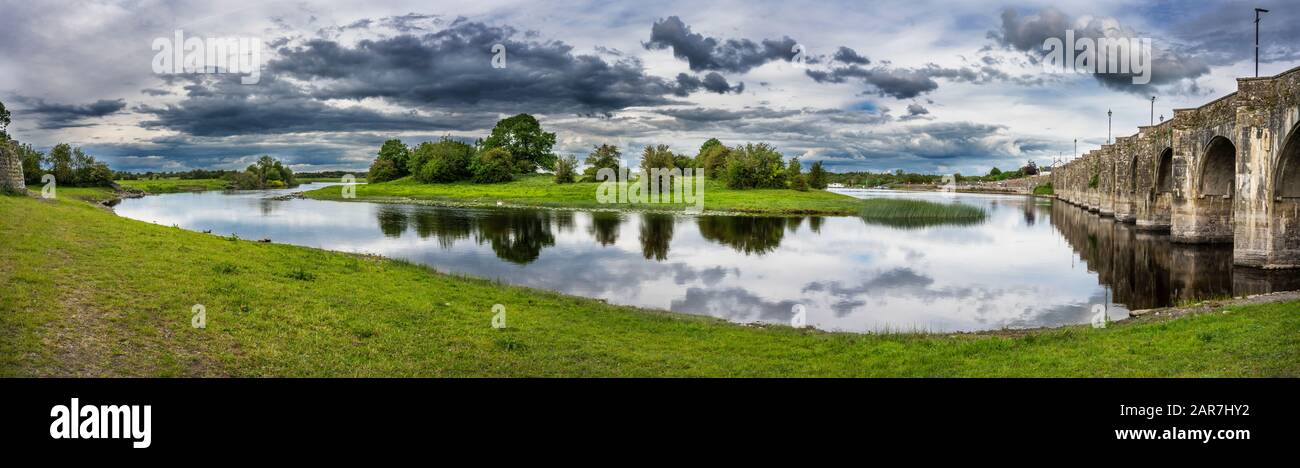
90, 194
157, 186
1045, 189
895, 209
88, 293
303, 180
541, 191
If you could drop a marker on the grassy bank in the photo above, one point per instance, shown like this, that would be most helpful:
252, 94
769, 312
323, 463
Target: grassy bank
89, 293
157, 186
541, 191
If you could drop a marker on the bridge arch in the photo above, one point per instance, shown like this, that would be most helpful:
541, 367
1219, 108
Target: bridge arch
1218, 169
1164, 180
1286, 184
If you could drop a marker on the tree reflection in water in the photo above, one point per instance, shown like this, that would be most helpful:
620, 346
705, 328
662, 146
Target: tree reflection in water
656, 234
747, 234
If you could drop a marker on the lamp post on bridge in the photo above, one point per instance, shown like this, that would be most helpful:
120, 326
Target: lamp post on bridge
1257, 12
1153, 110
1108, 125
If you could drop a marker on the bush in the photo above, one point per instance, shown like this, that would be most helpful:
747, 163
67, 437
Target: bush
382, 170
601, 157
755, 166
445, 161
492, 165
564, 169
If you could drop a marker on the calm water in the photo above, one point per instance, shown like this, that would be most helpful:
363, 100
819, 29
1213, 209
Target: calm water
1030, 264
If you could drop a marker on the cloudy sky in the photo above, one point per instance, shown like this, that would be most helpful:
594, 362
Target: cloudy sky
932, 86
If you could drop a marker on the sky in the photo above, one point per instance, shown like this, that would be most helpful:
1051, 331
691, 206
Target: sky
917, 85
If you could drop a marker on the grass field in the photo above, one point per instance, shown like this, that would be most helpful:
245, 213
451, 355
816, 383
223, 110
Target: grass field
157, 186
88, 293
541, 191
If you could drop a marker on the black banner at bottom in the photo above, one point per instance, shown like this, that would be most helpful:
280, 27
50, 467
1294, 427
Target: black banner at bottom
231, 416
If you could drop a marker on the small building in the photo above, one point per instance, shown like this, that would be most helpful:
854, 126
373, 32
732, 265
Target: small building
835, 185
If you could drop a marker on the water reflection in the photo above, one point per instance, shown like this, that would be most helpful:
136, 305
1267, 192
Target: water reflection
1148, 271
656, 235
748, 234
1028, 264
604, 227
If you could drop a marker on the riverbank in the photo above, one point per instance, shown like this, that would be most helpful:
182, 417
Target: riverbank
88, 293
542, 192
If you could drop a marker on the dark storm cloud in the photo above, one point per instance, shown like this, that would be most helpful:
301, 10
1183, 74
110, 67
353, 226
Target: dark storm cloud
704, 53
712, 82
447, 74
1222, 34
849, 56
52, 115
453, 67
1026, 34
218, 105
908, 83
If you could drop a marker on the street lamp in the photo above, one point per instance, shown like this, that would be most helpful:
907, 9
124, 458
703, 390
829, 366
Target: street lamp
1108, 125
1257, 12
1153, 110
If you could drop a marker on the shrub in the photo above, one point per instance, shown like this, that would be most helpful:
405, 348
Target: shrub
564, 169
492, 165
445, 161
382, 170
601, 157
755, 166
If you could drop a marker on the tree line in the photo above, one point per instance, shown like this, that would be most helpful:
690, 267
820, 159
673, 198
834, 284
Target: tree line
518, 145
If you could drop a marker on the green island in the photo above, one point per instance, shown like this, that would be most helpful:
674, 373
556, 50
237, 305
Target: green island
539, 191
91, 294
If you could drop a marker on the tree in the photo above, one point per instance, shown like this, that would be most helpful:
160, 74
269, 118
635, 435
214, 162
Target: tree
395, 157
797, 180
523, 137
493, 165
61, 164
601, 157
710, 143
755, 166
817, 177
714, 159
564, 169
87, 172
1030, 169
265, 172
656, 157
995, 172
4, 122
445, 161
32, 161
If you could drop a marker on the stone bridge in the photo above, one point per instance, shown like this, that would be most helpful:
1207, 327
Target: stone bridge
1225, 172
